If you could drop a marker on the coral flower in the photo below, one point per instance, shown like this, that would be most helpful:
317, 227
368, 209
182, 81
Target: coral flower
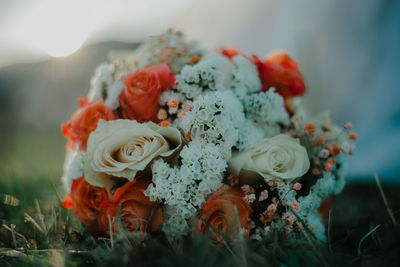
138, 213
230, 51
139, 99
278, 70
218, 213
325, 206
84, 121
67, 202
86, 202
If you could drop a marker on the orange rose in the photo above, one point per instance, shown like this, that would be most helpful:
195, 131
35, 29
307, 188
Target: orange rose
281, 72
219, 212
84, 121
138, 213
139, 99
86, 201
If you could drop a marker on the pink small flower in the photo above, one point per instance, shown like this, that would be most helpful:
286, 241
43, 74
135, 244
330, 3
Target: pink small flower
326, 127
290, 219
181, 115
273, 182
187, 106
165, 123
173, 102
348, 125
263, 195
271, 210
162, 114
295, 206
297, 186
249, 198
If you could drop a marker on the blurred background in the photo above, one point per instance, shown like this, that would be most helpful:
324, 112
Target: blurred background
347, 50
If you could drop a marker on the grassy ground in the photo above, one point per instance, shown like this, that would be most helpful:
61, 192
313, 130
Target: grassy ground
36, 230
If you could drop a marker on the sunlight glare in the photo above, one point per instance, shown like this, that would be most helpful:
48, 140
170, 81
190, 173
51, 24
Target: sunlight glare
55, 28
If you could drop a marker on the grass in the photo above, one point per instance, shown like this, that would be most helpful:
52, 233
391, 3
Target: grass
36, 231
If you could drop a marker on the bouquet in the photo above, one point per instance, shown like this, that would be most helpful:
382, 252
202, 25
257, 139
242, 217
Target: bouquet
174, 139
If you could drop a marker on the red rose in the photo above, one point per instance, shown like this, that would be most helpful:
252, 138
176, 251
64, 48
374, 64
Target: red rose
86, 201
219, 212
84, 121
282, 73
138, 213
139, 99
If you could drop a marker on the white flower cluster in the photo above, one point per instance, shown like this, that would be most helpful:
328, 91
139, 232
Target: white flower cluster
229, 112
186, 187
249, 134
310, 203
170, 48
315, 224
165, 96
245, 77
175, 225
340, 174
216, 118
72, 167
114, 91
101, 81
213, 73
104, 87
267, 109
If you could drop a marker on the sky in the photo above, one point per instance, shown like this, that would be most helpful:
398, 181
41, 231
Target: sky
36, 30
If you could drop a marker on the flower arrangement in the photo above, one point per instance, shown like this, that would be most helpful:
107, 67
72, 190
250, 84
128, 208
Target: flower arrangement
175, 139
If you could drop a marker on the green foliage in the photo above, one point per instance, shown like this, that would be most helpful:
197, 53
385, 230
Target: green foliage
44, 234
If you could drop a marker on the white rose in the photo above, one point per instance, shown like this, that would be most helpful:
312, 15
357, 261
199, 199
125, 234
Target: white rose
121, 148
279, 157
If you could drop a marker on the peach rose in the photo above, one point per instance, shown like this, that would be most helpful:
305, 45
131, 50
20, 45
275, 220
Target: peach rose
278, 70
86, 202
219, 212
139, 99
138, 213
84, 121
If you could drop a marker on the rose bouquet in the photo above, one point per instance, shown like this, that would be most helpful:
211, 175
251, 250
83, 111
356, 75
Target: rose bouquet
175, 139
